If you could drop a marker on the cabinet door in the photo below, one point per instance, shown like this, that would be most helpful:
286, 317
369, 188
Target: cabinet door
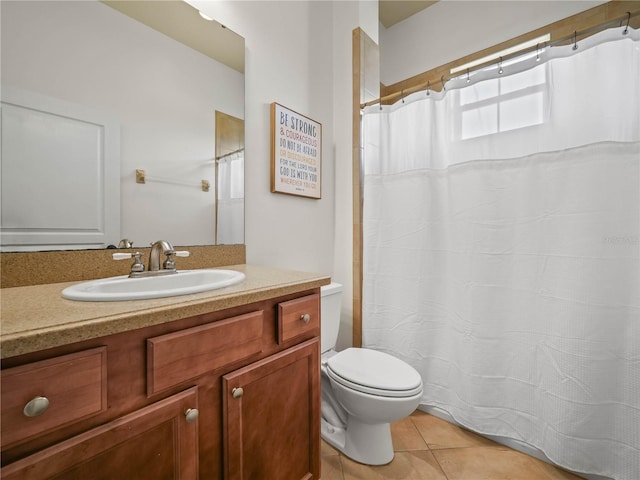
155, 442
272, 425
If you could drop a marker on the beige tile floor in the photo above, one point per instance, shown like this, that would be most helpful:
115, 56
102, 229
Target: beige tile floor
428, 448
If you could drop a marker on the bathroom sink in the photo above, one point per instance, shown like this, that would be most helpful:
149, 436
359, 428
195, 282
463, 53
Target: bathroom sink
180, 283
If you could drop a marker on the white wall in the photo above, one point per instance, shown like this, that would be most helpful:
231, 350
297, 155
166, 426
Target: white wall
299, 55
346, 17
163, 94
289, 61
450, 30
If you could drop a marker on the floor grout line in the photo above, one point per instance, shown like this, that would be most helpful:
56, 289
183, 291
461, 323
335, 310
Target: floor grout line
428, 447
340, 470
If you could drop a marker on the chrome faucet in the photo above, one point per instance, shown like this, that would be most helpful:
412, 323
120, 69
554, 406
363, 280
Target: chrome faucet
161, 247
158, 248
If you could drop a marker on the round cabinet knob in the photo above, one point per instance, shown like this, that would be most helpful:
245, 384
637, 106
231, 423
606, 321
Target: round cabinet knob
237, 392
36, 406
306, 318
191, 414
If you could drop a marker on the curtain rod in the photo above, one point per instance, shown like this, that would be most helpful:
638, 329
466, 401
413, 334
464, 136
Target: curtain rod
563, 40
229, 154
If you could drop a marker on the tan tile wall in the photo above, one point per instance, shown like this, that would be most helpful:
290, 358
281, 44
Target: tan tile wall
36, 268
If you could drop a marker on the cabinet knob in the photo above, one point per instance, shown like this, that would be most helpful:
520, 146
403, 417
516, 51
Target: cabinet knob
191, 414
36, 406
237, 392
305, 318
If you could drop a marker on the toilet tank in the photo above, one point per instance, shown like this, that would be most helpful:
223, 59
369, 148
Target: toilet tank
330, 304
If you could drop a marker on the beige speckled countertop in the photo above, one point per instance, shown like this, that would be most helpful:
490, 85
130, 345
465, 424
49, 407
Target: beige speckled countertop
37, 317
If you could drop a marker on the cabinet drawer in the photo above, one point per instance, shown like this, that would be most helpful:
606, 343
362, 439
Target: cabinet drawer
155, 442
298, 317
75, 386
180, 356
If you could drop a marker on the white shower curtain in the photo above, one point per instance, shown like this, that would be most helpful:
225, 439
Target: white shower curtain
502, 249
231, 199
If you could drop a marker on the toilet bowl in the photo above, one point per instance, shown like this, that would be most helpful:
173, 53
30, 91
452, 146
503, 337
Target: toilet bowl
363, 391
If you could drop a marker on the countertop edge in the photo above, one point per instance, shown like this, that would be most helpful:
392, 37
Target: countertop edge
32, 340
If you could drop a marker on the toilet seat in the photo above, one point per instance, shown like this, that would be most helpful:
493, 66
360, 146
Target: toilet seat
373, 372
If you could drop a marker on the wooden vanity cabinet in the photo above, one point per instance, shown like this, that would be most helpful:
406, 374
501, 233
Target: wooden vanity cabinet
156, 375
153, 442
72, 387
268, 413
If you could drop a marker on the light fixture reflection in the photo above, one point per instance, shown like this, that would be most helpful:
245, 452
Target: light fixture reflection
206, 17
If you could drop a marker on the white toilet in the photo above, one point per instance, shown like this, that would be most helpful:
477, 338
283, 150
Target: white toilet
363, 391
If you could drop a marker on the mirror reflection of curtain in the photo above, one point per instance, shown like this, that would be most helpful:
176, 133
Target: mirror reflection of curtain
501, 250
231, 199
230, 179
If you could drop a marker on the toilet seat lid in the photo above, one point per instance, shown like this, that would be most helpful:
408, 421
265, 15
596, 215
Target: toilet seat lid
375, 370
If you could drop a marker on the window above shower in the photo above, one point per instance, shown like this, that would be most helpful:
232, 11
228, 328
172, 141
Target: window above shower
502, 104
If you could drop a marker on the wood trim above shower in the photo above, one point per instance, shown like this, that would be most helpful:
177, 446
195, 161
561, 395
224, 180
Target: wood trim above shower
588, 20
366, 86
357, 194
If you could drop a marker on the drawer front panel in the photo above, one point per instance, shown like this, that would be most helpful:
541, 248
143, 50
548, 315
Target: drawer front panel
75, 386
298, 317
154, 442
180, 356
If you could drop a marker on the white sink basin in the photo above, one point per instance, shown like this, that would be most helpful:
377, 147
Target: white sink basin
124, 288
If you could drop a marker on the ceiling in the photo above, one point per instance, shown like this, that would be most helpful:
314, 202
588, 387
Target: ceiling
394, 11
181, 21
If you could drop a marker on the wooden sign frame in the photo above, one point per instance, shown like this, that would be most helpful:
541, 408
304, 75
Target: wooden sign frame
296, 153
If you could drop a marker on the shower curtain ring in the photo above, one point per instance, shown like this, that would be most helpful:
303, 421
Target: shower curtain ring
442, 82
428, 88
626, 29
575, 40
537, 52
500, 70
468, 79
402, 95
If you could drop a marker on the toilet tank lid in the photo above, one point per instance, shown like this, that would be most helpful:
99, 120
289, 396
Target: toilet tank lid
375, 369
331, 289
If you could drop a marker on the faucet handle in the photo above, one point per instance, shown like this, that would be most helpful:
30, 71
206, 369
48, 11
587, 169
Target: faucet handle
125, 243
169, 263
137, 265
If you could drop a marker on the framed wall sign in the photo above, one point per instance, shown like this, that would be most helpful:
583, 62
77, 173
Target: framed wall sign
296, 153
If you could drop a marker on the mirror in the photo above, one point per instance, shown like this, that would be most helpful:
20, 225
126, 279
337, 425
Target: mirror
147, 67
